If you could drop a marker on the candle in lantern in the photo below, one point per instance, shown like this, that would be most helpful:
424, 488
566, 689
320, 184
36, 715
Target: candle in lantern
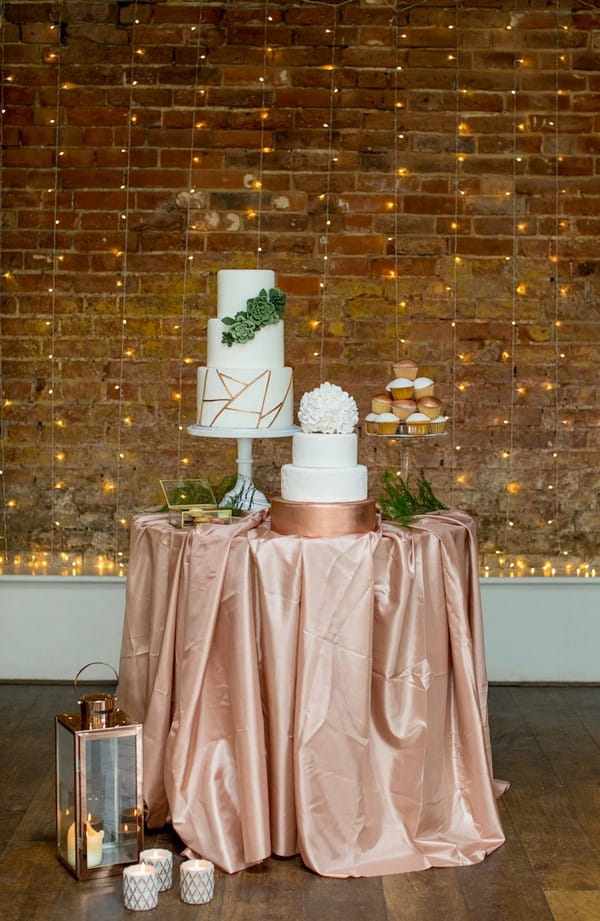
94, 842
71, 844
140, 887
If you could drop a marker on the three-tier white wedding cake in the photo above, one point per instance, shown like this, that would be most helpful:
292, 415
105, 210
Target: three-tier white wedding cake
245, 383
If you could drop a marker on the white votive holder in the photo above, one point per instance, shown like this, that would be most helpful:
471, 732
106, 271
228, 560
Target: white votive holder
140, 887
197, 881
162, 860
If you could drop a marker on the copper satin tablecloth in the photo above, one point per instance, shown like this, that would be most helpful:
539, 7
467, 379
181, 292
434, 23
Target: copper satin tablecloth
324, 697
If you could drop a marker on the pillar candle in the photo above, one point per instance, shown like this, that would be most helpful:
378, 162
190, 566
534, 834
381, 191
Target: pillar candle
162, 860
140, 887
94, 841
197, 879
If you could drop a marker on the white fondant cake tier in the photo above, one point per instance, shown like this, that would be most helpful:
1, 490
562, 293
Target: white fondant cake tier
313, 449
324, 484
235, 286
266, 350
245, 397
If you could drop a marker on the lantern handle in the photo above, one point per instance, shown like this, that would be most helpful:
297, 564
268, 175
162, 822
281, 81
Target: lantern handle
83, 668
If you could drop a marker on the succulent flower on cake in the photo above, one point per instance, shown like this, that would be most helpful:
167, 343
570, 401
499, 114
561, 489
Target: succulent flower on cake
328, 409
263, 310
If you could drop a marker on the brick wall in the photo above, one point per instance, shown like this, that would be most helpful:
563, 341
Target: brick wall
425, 183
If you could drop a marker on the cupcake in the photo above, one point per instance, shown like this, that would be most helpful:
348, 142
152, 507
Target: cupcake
405, 367
370, 419
418, 424
401, 388
423, 387
403, 408
430, 406
381, 403
386, 424
438, 425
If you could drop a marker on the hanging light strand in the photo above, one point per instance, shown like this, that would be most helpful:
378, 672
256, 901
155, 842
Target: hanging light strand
558, 289
397, 71
262, 119
197, 32
3, 495
122, 292
508, 451
326, 196
455, 258
55, 453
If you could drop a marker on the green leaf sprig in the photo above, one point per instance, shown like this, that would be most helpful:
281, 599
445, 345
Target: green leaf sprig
399, 503
263, 310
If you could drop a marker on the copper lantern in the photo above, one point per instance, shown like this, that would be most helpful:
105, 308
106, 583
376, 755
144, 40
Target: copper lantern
99, 805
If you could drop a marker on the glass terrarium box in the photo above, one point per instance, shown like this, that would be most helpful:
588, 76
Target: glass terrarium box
190, 502
99, 805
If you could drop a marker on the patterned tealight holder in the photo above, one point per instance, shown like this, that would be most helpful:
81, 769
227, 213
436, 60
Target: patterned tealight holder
162, 860
197, 881
140, 887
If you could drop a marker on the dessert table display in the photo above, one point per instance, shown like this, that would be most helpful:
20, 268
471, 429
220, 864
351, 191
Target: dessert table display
326, 697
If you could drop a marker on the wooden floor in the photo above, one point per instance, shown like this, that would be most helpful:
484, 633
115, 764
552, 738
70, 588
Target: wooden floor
546, 741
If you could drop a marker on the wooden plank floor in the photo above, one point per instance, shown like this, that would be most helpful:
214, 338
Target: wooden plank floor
546, 741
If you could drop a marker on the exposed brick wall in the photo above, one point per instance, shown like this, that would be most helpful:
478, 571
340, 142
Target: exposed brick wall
448, 167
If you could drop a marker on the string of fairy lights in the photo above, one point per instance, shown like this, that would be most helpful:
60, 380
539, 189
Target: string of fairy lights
325, 196
121, 298
200, 101
57, 455
454, 57
263, 116
515, 389
3, 493
510, 355
559, 289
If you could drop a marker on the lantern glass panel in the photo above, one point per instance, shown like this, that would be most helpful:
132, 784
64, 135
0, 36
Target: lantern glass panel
65, 793
109, 798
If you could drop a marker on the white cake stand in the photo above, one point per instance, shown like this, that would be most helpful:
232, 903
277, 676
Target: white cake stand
244, 485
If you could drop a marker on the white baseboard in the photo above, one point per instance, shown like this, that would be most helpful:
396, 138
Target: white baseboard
540, 630
51, 626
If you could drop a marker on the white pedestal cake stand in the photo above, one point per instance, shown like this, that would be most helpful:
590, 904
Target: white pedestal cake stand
245, 438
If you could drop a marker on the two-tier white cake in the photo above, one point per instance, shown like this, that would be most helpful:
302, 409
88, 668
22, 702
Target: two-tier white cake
245, 383
324, 490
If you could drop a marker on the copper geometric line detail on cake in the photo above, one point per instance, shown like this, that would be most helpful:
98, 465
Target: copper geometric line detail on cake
230, 404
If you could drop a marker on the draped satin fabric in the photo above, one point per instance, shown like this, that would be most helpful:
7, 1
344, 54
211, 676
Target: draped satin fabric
326, 697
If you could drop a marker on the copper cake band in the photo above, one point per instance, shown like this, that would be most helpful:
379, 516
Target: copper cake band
323, 519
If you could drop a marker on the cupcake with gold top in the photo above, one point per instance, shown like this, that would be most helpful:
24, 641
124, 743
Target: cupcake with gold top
405, 367
403, 408
430, 406
381, 403
386, 424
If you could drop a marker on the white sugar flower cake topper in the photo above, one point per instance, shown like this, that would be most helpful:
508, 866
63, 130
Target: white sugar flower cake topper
328, 409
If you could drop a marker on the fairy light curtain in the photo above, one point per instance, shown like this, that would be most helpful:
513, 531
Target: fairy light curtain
517, 392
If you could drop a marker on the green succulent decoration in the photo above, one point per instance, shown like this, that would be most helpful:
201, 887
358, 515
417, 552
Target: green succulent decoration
399, 503
263, 310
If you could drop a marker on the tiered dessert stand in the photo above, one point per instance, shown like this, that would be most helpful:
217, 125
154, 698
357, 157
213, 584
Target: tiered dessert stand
244, 486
